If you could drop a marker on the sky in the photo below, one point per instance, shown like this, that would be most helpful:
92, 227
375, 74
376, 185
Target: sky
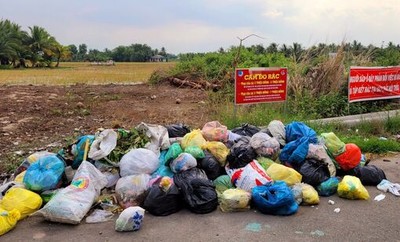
205, 26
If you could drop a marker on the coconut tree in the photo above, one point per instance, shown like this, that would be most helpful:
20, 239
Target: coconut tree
10, 42
61, 52
41, 45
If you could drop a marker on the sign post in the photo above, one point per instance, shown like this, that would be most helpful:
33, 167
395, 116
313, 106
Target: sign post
260, 85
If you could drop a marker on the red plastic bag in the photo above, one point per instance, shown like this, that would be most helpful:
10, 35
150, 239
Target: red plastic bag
350, 158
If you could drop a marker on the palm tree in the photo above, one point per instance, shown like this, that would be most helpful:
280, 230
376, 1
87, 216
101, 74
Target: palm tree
61, 52
10, 42
41, 45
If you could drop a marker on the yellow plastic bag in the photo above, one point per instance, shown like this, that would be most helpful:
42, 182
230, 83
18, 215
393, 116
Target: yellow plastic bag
8, 220
25, 201
194, 138
310, 195
235, 200
20, 177
280, 172
351, 188
218, 150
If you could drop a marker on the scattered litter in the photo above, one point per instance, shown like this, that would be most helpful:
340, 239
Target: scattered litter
254, 227
382, 138
99, 216
298, 232
387, 186
318, 233
380, 197
386, 160
337, 210
331, 202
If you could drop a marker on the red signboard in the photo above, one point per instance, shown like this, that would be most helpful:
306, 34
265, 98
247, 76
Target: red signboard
260, 85
373, 83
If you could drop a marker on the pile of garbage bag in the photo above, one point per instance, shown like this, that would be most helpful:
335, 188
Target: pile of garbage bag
163, 169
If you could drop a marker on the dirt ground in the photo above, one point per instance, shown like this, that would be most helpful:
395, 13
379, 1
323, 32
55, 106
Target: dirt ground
48, 117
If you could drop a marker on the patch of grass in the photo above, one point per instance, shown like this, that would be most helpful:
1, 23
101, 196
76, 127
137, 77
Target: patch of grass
70, 73
373, 144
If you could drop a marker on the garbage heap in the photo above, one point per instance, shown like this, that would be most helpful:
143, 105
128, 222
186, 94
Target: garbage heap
162, 169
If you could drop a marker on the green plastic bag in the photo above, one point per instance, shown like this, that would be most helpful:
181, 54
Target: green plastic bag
222, 183
195, 151
174, 151
333, 143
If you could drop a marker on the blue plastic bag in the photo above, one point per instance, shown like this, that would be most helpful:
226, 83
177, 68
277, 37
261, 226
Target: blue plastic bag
79, 149
298, 138
274, 198
328, 187
163, 170
44, 174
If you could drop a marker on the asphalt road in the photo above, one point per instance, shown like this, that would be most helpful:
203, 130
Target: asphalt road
357, 221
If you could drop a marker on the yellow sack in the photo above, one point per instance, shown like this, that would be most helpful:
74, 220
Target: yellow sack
194, 138
235, 200
8, 220
218, 150
351, 188
310, 195
283, 173
25, 201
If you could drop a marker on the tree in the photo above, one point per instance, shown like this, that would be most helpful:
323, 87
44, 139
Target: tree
272, 48
62, 52
41, 45
11, 46
74, 52
163, 52
82, 51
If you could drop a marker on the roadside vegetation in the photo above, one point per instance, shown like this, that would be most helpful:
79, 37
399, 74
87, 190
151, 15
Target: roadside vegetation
317, 87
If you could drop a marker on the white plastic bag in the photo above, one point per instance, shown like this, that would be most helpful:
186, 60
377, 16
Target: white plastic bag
103, 144
250, 176
130, 219
131, 190
72, 203
183, 162
138, 161
265, 145
158, 135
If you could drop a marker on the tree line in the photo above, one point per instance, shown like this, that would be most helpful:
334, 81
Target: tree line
38, 48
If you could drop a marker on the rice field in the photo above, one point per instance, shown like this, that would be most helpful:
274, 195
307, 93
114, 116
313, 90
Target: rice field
69, 73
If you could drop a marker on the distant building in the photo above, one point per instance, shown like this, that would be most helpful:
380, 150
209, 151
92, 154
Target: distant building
158, 58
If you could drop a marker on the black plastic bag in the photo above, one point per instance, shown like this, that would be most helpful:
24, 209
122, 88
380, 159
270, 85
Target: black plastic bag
241, 153
246, 130
210, 165
162, 203
177, 130
314, 172
197, 190
369, 175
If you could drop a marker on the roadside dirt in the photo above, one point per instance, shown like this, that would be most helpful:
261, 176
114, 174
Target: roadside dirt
48, 117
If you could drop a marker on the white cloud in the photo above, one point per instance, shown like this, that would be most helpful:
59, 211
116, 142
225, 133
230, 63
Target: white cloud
273, 13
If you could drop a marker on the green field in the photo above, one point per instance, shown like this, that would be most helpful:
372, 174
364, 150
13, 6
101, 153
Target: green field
69, 73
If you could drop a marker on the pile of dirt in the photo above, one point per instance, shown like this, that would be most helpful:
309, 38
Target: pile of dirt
48, 117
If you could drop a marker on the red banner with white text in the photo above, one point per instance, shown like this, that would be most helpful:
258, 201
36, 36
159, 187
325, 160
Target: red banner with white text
374, 83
